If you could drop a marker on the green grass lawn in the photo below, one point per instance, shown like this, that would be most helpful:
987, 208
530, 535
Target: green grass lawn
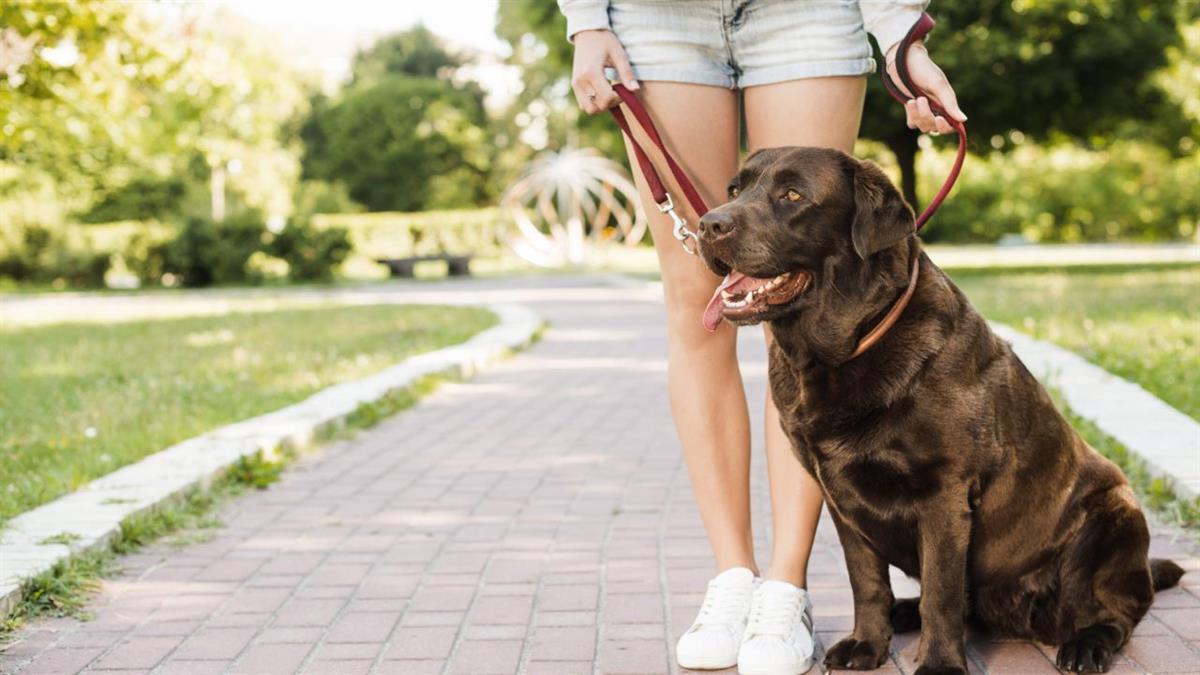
1141, 324
80, 400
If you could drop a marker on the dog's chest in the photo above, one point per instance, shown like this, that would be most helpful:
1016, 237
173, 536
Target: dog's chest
868, 466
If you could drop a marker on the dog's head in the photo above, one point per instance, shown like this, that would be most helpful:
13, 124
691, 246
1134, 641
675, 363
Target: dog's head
799, 233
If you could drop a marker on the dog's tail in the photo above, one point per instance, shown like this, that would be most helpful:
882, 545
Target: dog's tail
1164, 573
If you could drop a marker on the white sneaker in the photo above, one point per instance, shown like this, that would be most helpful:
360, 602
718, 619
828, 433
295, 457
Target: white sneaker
779, 639
712, 641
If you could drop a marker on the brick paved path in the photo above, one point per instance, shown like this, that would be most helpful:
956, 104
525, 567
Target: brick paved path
536, 519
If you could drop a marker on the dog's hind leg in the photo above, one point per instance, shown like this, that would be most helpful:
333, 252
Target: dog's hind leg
1106, 583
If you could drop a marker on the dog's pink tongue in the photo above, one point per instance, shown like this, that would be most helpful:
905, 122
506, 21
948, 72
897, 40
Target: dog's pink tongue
734, 282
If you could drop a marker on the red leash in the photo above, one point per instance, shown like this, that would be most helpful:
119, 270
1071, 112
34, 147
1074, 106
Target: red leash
659, 191
919, 30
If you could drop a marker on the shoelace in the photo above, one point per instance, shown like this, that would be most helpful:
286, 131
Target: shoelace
774, 615
722, 604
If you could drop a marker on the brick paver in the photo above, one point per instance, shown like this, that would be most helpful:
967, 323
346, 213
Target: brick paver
536, 519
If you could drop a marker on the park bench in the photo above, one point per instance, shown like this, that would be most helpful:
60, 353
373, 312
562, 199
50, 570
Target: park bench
456, 265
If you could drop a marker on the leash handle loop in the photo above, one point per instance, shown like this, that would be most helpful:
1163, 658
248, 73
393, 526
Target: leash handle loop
918, 32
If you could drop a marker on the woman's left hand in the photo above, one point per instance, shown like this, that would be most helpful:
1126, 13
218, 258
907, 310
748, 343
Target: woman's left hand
929, 77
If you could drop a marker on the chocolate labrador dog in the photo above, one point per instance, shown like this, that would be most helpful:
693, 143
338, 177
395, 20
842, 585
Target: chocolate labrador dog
937, 451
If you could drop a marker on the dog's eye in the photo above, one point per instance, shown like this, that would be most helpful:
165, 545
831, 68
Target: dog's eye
734, 191
792, 196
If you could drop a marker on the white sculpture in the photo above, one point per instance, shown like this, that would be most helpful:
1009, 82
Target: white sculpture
567, 202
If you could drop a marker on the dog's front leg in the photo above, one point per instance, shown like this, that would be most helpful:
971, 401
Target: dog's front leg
945, 534
867, 647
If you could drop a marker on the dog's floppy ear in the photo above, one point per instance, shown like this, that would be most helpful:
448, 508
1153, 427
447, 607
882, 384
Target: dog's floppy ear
882, 219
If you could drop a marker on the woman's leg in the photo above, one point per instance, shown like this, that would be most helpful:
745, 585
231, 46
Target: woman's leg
822, 112
708, 402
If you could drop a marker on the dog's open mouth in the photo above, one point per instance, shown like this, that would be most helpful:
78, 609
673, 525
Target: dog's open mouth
742, 298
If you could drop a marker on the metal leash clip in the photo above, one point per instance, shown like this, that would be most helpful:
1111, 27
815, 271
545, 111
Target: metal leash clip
680, 230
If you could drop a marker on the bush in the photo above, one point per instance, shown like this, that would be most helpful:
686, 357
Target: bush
207, 253
311, 254
41, 256
479, 232
1130, 192
203, 253
318, 196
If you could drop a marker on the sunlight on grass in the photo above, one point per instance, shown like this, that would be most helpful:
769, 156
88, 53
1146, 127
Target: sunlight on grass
80, 400
1143, 325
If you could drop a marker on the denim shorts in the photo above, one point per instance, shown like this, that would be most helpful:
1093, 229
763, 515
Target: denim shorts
741, 43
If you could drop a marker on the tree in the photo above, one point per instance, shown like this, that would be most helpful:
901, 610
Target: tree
404, 144
415, 52
536, 31
1044, 68
402, 135
73, 77
106, 98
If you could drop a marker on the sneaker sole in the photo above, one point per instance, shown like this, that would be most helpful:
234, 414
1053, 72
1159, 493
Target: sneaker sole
709, 664
799, 669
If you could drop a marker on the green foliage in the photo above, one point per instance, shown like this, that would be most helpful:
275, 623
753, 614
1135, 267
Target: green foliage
145, 198
404, 144
206, 253
255, 471
395, 235
1140, 324
544, 115
403, 135
99, 95
311, 254
1131, 192
41, 256
416, 52
318, 196
1045, 68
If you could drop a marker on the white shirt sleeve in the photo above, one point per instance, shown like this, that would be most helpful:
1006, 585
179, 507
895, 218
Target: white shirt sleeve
889, 20
584, 15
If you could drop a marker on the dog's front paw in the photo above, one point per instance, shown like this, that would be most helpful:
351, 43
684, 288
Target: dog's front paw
940, 670
854, 654
1085, 653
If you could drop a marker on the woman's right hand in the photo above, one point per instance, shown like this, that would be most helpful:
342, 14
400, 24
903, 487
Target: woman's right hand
595, 49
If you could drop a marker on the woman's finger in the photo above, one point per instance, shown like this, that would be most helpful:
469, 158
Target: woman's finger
925, 115
943, 93
620, 61
587, 91
605, 96
894, 73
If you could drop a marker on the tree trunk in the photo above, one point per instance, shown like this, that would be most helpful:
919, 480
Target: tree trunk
217, 185
905, 147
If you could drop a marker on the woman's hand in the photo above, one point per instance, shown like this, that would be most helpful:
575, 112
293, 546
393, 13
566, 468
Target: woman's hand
595, 49
926, 75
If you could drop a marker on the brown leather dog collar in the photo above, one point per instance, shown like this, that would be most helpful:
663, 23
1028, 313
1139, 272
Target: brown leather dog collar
893, 314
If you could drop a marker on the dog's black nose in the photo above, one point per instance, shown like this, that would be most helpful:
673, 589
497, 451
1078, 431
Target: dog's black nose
716, 224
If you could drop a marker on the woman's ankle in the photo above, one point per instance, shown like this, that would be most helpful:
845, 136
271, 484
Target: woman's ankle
795, 575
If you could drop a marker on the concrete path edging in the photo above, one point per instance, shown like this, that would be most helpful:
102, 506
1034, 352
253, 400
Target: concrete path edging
91, 516
1168, 440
